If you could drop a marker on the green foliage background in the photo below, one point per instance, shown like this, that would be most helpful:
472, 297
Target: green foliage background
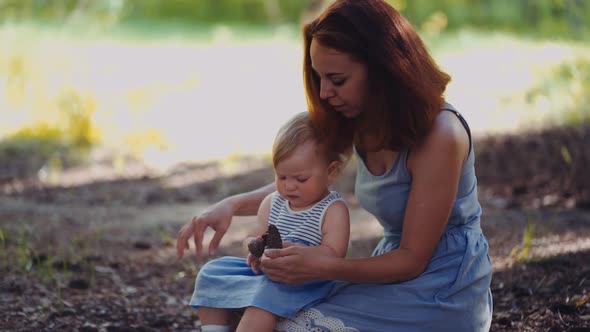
540, 17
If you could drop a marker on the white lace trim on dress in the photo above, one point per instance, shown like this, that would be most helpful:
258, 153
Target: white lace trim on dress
312, 320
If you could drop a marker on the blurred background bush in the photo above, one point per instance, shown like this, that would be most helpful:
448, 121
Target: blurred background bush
165, 81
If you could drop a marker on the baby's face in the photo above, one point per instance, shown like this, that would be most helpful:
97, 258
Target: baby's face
304, 177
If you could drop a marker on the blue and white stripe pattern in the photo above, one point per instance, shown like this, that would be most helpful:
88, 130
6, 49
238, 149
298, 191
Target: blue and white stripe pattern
300, 226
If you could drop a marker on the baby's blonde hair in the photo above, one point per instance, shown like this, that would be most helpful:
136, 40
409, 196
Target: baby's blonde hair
297, 131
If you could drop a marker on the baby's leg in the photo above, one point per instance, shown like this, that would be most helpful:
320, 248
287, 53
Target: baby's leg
256, 319
216, 319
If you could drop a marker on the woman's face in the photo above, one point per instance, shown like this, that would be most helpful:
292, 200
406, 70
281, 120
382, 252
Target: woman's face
343, 81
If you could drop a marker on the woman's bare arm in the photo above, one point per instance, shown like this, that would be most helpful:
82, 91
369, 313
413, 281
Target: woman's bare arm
218, 217
247, 204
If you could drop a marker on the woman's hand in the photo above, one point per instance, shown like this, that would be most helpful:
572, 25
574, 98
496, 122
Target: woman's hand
295, 263
218, 217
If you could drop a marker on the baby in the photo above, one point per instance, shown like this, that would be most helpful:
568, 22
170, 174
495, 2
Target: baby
304, 212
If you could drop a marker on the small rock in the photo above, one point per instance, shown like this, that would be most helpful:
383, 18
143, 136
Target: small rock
12, 286
144, 329
115, 328
142, 245
563, 309
79, 284
499, 202
88, 328
505, 321
160, 323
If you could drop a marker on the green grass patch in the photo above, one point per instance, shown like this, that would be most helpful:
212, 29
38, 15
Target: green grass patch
21, 254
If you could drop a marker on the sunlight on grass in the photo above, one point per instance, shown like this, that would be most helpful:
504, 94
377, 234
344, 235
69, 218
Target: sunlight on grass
493, 74
166, 100
217, 94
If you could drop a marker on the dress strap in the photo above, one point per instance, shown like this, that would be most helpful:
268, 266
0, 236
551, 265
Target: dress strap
450, 108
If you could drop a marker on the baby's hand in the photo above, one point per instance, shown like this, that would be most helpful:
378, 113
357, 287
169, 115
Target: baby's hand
254, 263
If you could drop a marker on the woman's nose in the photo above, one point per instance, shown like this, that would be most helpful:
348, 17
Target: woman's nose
326, 90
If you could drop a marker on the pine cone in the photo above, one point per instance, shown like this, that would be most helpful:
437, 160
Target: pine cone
256, 247
272, 238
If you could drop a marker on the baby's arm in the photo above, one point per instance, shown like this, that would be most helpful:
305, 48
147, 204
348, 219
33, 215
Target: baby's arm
336, 230
261, 223
258, 230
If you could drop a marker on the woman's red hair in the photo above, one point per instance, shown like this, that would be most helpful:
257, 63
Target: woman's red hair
406, 87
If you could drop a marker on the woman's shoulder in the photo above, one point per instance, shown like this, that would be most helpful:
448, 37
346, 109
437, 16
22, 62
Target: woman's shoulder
447, 135
448, 126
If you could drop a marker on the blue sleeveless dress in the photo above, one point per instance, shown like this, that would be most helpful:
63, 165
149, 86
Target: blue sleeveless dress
227, 282
452, 294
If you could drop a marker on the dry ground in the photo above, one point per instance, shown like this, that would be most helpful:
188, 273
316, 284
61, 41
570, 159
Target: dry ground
95, 253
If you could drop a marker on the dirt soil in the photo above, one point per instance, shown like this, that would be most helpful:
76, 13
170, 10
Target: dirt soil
93, 250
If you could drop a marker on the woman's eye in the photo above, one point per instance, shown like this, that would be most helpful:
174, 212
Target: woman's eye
338, 82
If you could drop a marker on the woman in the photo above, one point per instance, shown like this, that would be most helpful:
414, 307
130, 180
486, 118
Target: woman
371, 85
